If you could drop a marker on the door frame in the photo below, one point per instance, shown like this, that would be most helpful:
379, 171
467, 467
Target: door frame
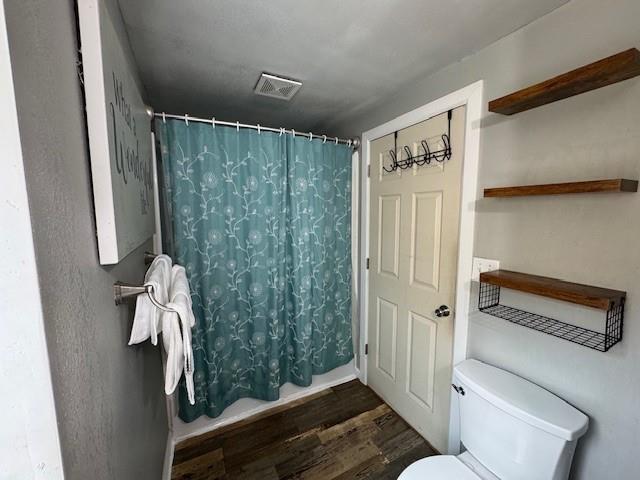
472, 97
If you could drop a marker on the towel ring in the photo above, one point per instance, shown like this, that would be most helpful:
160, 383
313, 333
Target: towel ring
122, 291
151, 294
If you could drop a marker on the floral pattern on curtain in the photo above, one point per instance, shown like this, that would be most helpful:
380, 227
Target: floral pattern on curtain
261, 222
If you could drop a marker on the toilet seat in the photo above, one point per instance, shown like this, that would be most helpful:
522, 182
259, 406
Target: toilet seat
440, 467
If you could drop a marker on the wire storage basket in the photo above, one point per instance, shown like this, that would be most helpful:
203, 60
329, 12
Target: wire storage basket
489, 303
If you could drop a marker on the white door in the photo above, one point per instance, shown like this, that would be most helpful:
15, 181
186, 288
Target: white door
414, 247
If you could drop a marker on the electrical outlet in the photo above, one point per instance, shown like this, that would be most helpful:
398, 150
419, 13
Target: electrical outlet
481, 265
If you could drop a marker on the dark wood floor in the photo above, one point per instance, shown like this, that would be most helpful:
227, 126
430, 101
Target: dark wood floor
345, 432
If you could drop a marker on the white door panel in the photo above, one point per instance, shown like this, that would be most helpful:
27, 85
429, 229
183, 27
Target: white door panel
389, 235
426, 224
421, 358
414, 244
386, 331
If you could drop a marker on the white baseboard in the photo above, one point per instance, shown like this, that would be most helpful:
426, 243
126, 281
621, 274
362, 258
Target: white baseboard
360, 375
248, 407
168, 457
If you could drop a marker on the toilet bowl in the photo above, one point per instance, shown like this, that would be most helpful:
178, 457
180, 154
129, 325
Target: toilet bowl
510, 428
461, 467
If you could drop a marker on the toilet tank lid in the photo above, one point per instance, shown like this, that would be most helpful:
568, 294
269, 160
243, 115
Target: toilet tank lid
522, 399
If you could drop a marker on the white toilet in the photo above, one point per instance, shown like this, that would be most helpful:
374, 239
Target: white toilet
511, 430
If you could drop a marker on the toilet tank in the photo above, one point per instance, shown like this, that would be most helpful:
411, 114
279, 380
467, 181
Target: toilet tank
516, 429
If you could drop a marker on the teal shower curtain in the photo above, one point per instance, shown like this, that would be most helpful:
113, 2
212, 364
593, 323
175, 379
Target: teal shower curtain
261, 222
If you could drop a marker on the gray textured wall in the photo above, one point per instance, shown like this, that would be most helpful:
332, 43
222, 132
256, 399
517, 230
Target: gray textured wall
109, 397
583, 238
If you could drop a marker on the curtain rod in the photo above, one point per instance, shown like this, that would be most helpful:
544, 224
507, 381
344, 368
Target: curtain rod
350, 142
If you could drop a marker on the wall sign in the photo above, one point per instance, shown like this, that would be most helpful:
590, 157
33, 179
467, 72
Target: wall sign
119, 136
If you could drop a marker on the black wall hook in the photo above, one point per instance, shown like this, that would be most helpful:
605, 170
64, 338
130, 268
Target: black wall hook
425, 158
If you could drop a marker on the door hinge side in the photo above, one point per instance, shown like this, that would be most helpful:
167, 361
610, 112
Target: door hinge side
369, 171
368, 264
366, 349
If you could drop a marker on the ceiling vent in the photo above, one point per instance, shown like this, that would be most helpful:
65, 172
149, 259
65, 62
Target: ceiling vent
277, 87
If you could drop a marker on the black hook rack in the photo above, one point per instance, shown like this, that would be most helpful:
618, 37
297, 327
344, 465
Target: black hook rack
425, 158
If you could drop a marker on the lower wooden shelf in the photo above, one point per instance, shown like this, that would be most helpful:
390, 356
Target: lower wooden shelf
587, 295
489, 303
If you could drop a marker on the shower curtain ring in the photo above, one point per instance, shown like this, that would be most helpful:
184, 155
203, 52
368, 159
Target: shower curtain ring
310, 136
258, 129
293, 133
281, 131
324, 139
213, 122
186, 119
336, 140
237, 126
349, 143
164, 118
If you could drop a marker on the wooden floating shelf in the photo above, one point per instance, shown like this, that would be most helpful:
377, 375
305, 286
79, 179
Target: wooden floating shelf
612, 301
587, 295
607, 71
594, 186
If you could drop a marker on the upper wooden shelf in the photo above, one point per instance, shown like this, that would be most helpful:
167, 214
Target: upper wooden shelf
616, 68
596, 297
612, 185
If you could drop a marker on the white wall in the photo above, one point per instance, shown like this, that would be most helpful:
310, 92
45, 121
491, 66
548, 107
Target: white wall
29, 444
584, 238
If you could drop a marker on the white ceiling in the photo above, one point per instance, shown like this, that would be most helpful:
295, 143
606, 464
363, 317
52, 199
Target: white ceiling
204, 57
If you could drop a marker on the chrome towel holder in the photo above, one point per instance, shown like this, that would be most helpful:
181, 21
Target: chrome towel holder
123, 291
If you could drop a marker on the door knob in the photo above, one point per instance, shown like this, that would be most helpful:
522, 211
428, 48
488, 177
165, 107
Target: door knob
442, 311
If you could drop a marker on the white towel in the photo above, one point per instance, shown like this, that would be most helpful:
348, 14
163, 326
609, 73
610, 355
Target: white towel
172, 341
146, 322
177, 333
